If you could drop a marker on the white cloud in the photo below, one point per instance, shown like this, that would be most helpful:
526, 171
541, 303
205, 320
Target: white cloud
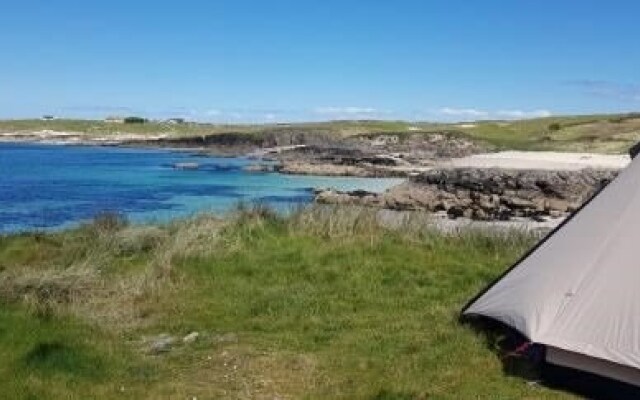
345, 110
520, 114
473, 113
463, 112
270, 117
213, 112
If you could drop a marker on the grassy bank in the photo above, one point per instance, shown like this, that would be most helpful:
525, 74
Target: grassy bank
613, 133
322, 304
103, 128
589, 133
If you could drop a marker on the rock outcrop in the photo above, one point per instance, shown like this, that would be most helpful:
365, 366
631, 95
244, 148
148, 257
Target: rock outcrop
484, 194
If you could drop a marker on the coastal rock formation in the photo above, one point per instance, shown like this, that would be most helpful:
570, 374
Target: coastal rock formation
363, 169
484, 194
433, 145
376, 155
322, 153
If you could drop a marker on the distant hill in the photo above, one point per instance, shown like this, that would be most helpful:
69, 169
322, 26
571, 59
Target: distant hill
612, 133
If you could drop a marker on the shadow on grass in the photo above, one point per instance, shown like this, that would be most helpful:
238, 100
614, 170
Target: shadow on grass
57, 357
504, 341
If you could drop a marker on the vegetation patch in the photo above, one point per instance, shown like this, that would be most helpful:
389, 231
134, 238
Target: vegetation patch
324, 303
53, 357
606, 133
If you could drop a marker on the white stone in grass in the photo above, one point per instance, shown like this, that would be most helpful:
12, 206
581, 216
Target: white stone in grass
161, 344
190, 338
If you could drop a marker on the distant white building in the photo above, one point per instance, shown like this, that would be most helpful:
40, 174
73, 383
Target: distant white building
114, 120
48, 117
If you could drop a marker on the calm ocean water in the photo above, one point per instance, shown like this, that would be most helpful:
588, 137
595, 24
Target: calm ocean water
47, 186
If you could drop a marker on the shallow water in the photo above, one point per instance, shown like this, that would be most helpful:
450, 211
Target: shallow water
47, 186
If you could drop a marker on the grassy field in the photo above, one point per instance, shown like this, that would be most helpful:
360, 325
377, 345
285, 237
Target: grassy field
102, 128
593, 133
322, 304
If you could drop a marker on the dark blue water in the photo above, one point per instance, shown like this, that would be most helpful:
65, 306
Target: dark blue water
46, 186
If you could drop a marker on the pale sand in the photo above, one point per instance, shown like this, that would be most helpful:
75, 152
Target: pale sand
547, 160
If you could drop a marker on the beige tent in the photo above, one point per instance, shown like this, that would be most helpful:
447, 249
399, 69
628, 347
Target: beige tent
578, 292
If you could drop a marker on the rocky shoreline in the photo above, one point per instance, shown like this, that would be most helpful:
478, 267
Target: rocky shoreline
445, 174
372, 156
484, 194
293, 152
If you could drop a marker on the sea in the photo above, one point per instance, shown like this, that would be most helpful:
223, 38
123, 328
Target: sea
50, 187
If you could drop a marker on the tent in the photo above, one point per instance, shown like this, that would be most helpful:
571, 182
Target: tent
577, 293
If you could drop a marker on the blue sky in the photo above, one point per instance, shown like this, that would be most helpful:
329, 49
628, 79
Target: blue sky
280, 60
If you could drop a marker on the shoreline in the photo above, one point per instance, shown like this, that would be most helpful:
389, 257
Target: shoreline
485, 206
374, 164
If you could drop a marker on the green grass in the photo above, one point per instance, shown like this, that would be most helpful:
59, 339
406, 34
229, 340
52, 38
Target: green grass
98, 127
589, 133
325, 303
46, 357
613, 133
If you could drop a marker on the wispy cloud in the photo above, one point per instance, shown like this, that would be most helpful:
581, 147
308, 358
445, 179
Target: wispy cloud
474, 113
347, 111
236, 115
462, 112
608, 89
517, 114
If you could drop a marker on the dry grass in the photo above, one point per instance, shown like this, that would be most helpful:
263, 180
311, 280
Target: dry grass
119, 274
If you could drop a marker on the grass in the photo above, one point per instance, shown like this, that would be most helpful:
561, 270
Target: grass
613, 133
588, 133
325, 303
102, 128
61, 358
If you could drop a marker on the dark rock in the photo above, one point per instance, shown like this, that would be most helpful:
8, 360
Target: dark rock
480, 214
455, 212
485, 194
518, 203
538, 218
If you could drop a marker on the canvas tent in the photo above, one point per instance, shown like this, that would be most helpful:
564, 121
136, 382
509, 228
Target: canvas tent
578, 292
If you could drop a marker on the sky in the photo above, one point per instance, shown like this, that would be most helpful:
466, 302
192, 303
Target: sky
308, 60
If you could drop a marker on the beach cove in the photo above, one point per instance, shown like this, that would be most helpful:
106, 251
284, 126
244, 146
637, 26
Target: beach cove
52, 186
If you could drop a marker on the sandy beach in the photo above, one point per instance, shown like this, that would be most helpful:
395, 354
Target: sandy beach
544, 160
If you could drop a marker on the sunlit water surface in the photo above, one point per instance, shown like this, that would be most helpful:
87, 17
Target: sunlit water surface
49, 187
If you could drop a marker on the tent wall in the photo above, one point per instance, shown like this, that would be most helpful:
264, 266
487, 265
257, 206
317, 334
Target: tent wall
596, 366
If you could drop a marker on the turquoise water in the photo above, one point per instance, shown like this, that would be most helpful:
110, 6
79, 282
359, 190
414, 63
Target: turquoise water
49, 187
